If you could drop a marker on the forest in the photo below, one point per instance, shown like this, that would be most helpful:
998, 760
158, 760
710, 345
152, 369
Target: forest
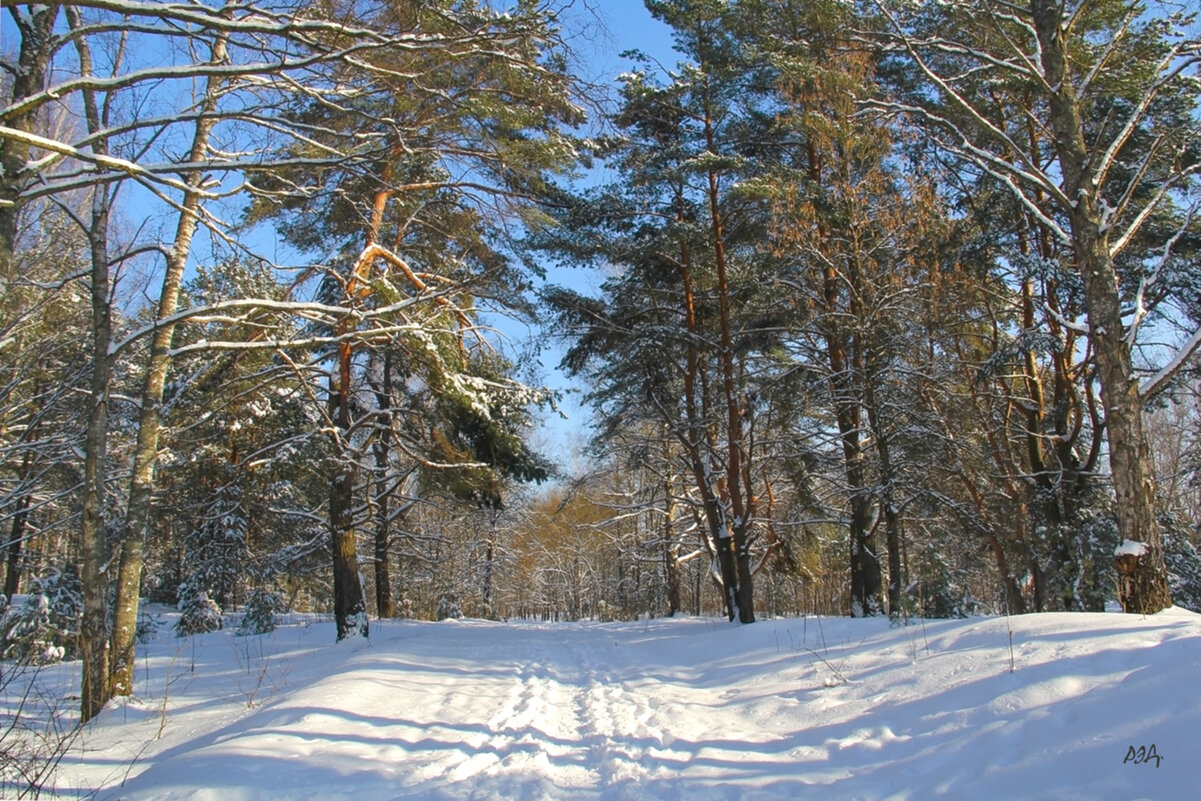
896, 313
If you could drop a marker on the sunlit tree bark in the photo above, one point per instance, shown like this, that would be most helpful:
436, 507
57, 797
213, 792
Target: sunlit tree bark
1101, 205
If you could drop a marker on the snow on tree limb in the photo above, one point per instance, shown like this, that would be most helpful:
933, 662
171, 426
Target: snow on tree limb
1153, 385
307, 310
1179, 58
119, 165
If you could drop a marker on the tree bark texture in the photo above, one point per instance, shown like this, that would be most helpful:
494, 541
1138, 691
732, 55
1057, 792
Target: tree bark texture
350, 605
1143, 590
671, 549
96, 687
385, 603
145, 458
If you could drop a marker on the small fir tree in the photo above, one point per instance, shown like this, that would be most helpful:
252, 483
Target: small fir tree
198, 613
259, 613
45, 628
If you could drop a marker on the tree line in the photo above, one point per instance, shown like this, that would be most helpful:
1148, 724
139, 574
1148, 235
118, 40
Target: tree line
899, 315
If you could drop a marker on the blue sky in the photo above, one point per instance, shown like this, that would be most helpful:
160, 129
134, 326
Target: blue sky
627, 25
600, 31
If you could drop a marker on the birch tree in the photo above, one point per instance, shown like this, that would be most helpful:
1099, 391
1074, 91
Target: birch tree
223, 80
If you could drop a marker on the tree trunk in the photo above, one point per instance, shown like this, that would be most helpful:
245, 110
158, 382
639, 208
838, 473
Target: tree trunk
694, 441
671, 549
727, 567
1038, 582
733, 552
489, 564
385, 604
1143, 585
892, 540
845, 355
1015, 603
145, 458
746, 577
671, 567
350, 605
888, 502
866, 577
12, 576
16, 540
1143, 589
33, 59
96, 687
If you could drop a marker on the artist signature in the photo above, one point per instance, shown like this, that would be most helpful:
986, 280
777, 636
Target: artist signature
1142, 755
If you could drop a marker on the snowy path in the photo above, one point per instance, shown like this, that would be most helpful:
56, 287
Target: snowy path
693, 709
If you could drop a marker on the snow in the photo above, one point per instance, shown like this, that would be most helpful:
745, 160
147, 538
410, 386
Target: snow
1130, 548
697, 709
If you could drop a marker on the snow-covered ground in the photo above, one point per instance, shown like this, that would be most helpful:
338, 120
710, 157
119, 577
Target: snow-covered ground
691, 709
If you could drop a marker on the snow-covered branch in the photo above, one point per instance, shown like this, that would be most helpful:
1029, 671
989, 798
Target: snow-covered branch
308, 310
1153, 385
1175, 63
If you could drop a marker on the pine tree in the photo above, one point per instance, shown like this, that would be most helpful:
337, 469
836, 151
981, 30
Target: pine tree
45, 627
457, 153
681, 337
1103, 83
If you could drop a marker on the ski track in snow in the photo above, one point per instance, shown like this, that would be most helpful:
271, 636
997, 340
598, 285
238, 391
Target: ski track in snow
661, 710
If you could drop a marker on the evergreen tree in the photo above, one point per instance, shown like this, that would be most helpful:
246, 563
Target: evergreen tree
682, 336
45, 627
460, 137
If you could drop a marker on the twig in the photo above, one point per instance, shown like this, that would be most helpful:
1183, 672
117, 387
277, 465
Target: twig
826, 662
